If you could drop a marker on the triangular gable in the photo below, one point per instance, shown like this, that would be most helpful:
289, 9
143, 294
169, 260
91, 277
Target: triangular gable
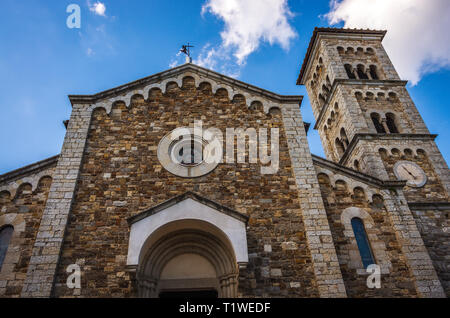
160, 80
188, 195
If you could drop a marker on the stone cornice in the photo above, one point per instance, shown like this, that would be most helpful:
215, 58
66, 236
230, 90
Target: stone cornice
174, 74
333, 32
443, 206
33, 168
358, 137
353, 82
365, 178
180, 198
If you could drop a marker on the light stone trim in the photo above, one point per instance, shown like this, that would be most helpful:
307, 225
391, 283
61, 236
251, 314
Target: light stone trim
320, 241
188, 209
47, 247
145, 92
351, 183
178, 169
416, 254
33, 180
378, 246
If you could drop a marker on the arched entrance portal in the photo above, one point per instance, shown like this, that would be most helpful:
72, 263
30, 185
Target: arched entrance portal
188, 262
188, 245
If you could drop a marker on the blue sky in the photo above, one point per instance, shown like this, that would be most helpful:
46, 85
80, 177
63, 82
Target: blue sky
42, 60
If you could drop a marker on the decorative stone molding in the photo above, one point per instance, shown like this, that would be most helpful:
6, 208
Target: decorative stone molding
377, 245
33, 180
167, 160
176, 75
189, 209
182, 242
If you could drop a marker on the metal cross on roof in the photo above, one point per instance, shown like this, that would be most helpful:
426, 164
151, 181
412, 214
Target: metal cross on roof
186, 49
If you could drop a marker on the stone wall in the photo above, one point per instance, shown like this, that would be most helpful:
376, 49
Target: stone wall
21, 206
121, 176
433, 190
340, 196
434, 226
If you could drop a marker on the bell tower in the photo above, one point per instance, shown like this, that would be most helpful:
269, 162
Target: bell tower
365, 116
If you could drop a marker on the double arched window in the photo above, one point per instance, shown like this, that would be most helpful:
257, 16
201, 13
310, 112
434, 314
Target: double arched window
5, 237
363, 242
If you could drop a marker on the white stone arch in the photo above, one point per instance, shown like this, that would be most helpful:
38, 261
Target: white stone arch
197, 79
378, 246
178, 80
188, 209
33, 180
148, 88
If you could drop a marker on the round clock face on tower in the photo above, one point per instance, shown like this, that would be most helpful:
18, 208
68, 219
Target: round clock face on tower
411, 172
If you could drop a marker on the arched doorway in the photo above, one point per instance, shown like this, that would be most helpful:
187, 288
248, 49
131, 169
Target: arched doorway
187, 246
188, 263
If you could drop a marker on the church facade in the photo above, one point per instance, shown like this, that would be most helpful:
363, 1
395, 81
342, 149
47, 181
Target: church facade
122, 212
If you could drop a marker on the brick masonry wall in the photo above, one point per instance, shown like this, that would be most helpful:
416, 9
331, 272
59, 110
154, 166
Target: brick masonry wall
121, 176
24, 212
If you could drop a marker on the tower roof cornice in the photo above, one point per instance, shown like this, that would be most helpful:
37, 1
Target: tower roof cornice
333, 32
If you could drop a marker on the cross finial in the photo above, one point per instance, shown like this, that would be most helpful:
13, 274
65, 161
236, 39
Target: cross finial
185, 49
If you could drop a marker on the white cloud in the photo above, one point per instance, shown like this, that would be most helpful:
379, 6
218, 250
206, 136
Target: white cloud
98, 8
219, 60
247, 24
418, 38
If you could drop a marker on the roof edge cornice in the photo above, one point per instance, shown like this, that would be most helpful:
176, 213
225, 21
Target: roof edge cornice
188, 67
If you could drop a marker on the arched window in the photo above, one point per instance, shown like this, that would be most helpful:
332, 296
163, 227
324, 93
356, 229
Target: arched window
361, 72
322, 100
363, 242
390, 122
349, 70
339, 147
5, 237
328, 83
377, 123
373, 72
356, 165
344, 138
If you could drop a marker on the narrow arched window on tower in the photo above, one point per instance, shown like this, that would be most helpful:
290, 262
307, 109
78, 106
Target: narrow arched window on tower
373, 72
390, 122
322, 100
377, 123
349, 70
363, 242
5, 237
344, 138
339, 147
361, 72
